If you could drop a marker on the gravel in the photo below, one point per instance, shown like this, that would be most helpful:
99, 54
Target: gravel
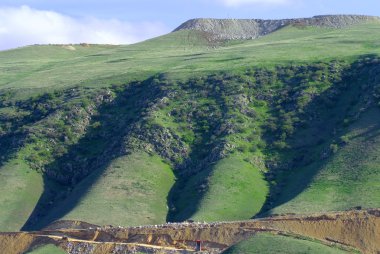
232, 29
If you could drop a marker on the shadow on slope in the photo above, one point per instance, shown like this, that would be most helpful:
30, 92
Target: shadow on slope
317, 145
93, 153
197, 120
217, 115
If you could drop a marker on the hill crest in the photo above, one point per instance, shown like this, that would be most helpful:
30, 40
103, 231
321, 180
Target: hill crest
232, 29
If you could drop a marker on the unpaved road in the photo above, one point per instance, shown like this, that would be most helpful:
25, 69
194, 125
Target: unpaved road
357, 229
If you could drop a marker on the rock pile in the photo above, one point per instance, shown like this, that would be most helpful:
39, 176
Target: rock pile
232, 29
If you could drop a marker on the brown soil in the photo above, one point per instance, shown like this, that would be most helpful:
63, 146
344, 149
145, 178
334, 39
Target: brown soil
15, 242
357, 229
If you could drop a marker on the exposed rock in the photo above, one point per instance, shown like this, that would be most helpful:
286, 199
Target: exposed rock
232, 29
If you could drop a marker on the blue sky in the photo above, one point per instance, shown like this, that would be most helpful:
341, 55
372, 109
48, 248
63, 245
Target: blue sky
25, 22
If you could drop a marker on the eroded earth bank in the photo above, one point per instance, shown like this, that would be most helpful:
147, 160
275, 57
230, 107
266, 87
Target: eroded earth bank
351, 231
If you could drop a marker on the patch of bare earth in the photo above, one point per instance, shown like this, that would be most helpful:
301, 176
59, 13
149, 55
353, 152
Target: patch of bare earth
348, 230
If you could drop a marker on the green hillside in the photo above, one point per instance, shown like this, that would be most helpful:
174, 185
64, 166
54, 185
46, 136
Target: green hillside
21, 188
131, 189
347, 179
181, 54
181, 127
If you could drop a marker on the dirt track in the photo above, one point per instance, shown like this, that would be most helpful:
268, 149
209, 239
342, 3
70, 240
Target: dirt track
358, 229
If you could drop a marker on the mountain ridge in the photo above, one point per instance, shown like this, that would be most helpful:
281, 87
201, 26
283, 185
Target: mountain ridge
234, 29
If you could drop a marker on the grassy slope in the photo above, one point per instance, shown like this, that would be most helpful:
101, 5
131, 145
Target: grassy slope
236, 190
95, 65
231, 189
180, 54
47, 249
265, 243
131, 191
20, 189
351, 177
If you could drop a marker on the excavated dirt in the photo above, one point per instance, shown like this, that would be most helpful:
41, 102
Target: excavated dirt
64, 224
356, 229
15, 242
232, 29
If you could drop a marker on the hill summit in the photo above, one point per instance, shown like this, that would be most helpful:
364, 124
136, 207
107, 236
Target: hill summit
232, 29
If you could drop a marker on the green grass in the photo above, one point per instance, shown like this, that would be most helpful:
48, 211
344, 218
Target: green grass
132, 190
349, 178
231, 189
47, 249
179, 54
96, 65
236, 190
265, 243
20, 189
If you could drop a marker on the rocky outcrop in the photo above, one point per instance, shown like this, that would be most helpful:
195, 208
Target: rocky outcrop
230, 29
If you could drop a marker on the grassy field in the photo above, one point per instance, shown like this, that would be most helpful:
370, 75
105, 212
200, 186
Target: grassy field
265, 243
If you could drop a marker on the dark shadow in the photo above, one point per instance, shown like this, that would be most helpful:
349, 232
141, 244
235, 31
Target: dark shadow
88, 158
327, 111
185, 196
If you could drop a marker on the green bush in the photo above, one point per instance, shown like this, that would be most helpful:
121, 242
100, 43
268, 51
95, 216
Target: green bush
334, 148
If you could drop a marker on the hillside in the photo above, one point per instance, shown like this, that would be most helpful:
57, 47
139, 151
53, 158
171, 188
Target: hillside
187, 127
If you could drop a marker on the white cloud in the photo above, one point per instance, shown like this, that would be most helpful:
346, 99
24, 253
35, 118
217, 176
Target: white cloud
25, 26
236, 3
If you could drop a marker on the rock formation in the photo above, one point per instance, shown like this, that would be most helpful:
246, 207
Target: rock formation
232, 29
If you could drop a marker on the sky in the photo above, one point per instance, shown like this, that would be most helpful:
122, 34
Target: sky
27, 22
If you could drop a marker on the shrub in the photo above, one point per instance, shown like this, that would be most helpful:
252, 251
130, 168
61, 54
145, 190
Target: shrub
253, 148
334, 148
96, 125
279, 144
